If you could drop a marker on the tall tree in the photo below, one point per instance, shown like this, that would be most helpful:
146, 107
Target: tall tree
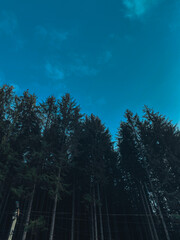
26, 141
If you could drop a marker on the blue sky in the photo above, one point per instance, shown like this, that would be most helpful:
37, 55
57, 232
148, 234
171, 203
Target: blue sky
109, 55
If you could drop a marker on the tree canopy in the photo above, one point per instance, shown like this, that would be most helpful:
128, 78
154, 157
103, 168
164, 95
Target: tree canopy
70, 181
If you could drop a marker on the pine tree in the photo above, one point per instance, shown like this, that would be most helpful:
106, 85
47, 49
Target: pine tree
96, 149
26, 141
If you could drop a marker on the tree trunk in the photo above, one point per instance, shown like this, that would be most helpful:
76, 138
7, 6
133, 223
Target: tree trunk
29, 212
100, 213
146, 212
159, 209
161, 215
54, 210
6, 199
95, 214
14, 221
152, 221
3, 185
77, 222
115, 226
73, 212
92, 222
107, 213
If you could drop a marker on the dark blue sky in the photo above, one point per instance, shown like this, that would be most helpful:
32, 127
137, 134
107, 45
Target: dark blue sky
110, 55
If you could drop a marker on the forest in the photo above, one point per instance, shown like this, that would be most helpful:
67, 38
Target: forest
62, 176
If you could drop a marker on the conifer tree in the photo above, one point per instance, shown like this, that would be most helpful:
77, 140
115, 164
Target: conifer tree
71, 183
26, 141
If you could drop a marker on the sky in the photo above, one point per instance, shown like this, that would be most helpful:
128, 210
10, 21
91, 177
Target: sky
110, 55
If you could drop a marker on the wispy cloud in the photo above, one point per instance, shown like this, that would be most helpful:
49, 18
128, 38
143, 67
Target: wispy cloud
9, 27
80, 67
8, 23
82, 70
52, 36
59, 36
54, 72
137, 8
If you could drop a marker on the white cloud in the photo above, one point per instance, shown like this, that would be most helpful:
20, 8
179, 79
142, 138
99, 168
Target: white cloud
80, 67
8, 23
9, 27
58, 36
137, 8
83, 70
54, 72
52, 36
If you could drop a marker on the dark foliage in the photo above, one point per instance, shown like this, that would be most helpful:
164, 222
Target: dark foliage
62, 178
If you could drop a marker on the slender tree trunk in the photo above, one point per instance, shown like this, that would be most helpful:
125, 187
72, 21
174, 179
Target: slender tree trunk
108, 223
42, 201
145, 231
92, 222
3, 185
77, 222
159, 209
92, 212
14, 221
100, 213
146, 212
29, 212
5, 204
95, 214
125, 225
73, 212
161, 215
115, 226
152, 221
54, 210
23, 206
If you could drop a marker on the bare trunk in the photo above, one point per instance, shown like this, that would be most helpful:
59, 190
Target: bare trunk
54, 210
100, 213
147, 215
115, 226
78, 222
14, 221
92, 222
161, 215
107, 213
29, 213
142, 218
95, 214
5, 204
73, 212
3, 185
152, 221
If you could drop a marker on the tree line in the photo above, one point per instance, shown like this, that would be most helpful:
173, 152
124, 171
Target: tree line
61, 170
